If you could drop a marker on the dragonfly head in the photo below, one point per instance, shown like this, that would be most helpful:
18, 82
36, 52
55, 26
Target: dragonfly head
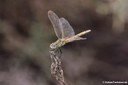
57, 44
53, 46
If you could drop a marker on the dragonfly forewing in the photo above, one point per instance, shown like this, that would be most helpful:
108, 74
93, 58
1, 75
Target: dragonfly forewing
56, 23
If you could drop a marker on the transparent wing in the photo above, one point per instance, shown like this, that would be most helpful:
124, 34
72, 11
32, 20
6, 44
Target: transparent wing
55, 22
67, 30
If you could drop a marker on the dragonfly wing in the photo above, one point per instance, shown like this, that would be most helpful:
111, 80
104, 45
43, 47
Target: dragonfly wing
67, 30
55, 22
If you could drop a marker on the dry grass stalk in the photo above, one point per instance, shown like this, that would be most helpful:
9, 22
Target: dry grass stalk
56, 69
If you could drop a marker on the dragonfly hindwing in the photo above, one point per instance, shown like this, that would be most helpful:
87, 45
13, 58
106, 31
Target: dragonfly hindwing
67, 30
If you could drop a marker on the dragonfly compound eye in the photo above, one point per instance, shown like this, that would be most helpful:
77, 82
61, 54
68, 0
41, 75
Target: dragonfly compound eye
53, 46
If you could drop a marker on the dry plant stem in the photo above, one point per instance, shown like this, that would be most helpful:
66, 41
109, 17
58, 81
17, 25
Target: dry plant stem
56, 69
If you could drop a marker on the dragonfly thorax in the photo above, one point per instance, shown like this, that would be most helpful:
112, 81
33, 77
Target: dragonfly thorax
59, 43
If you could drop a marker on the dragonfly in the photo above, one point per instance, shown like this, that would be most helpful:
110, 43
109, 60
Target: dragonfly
63, 31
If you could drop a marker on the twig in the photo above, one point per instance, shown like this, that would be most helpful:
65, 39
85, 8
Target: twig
56, 69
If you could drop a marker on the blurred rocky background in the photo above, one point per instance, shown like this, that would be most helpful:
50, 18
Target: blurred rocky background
26, 32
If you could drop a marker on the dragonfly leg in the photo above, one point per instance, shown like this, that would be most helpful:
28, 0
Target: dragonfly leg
60, 52
56, 53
